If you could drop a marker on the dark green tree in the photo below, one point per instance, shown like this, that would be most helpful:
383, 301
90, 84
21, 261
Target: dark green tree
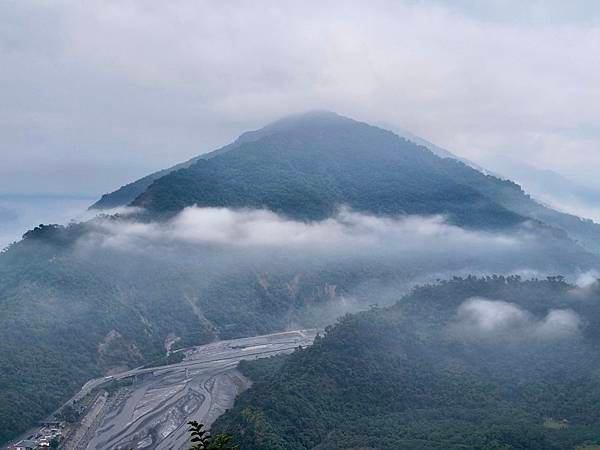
69, 414
202, 440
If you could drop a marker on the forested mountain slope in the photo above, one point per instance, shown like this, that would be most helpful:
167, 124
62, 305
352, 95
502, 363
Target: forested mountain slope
128, 193
513, 197
73, 308
295, 224
493, 363
308, 164
312, 164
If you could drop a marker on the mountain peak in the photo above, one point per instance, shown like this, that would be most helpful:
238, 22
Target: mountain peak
306, 166
309, 118
313, 114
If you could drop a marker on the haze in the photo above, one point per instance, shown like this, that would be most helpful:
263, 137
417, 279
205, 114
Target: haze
194, 192
96, 94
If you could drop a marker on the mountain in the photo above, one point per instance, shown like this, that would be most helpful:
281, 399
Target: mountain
128, 193
307, 165
311, 164
537, 189
75, 306
349, 224
20, 212
473, 363
319, 160
553, 188
436, 149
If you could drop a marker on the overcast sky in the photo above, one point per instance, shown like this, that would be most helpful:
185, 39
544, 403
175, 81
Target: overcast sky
96, 94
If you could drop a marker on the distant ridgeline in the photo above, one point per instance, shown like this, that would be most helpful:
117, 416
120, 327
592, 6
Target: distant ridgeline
516, 367
75, 304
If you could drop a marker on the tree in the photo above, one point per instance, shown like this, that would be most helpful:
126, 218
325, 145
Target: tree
202, 440
69, 414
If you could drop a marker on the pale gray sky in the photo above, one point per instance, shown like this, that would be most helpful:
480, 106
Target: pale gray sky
95, 94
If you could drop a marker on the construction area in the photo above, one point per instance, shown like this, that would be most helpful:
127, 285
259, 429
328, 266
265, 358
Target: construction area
148, 408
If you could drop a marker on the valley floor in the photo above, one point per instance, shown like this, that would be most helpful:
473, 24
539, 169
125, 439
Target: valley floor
148, 408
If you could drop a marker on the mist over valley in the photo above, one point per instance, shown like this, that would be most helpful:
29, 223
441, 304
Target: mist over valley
226, 226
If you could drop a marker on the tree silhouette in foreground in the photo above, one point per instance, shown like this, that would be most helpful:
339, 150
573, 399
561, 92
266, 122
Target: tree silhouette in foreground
202, 440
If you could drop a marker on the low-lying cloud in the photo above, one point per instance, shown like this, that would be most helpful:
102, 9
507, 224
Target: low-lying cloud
587, 279
587, 286
262, 228
338, 265
426, 248
364, 259
479, 318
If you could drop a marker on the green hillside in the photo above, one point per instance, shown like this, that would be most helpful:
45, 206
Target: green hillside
86, 299
309, 165
402, 377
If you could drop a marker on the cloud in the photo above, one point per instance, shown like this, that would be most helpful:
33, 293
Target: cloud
400, 251
19, 213
479, 318
587, 286
134, 86
587, 279
490, 316
348, 231
8, 215
558, 323
120, 211
379, 258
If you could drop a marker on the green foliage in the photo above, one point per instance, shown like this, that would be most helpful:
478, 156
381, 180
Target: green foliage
396, 377
305, 166
79, 315
128, 193
202, 440
66, 319
69, 414
309, 168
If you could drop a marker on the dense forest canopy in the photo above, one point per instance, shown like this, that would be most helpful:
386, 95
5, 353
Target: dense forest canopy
291, 225
473, 363
308, 164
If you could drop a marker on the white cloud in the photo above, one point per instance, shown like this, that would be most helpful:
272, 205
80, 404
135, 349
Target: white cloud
491, 315
557, 324
391, 253
587, 279
348, 231
21, 213
418, 249
495, 319
587, 286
